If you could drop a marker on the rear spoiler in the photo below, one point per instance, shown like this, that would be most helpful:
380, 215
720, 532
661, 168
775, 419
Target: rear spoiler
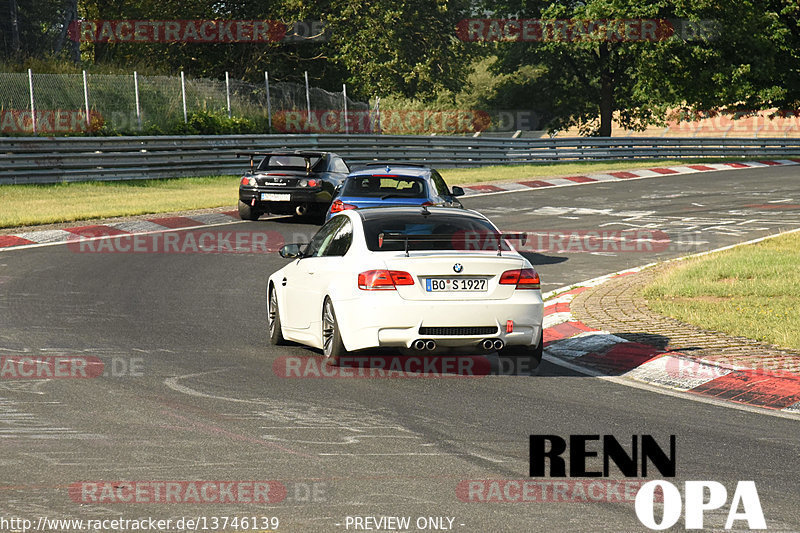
393, 164
305, 155
406, 237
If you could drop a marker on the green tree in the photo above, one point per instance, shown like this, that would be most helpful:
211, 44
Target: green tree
29, 27
285, 61
405, 48
743, 61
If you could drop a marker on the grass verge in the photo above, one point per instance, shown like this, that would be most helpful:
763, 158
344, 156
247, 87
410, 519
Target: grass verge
751, 291
28, 205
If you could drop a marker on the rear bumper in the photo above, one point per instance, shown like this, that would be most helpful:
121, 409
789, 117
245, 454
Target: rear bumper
387, 320
310, 197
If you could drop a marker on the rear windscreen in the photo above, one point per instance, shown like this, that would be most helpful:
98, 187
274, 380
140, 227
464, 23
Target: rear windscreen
384, 187
292, 162
432, 232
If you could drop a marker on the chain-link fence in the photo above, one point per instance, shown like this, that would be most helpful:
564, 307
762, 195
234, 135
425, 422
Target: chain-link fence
65, 104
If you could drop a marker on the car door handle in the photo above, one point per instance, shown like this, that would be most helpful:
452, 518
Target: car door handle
283, 282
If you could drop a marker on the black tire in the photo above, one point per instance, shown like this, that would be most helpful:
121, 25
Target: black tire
332, 345
274, 319
247, 212
529, 355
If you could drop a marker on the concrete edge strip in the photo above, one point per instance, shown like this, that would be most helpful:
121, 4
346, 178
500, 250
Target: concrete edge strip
618, 175
570, 343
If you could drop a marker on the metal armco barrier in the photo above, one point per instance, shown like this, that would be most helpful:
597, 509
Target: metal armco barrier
53, 160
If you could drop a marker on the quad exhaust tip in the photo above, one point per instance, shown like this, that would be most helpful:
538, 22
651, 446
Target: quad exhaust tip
430, 345
301, 210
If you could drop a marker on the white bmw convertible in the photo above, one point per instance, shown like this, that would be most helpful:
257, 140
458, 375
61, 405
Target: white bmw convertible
407, 277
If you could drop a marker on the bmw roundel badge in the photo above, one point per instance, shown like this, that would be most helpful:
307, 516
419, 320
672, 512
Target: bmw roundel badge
457, 268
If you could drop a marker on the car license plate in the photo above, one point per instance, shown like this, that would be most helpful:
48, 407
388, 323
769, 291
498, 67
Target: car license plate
455, 285
273, 197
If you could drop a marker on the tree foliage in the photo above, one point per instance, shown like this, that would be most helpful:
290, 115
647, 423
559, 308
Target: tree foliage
410, 50
748, 60
29, 27
406, 48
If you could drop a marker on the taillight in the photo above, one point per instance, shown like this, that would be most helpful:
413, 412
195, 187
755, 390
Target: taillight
339, 205
525, 278
376, 280
309, 183
427, 204
249, 181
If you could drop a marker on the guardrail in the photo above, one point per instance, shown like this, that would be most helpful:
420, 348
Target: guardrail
53, 160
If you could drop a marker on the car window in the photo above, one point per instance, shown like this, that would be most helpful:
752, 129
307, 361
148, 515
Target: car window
323, 237
341, 240
340, 166
288, 162
377, 186
438, 182
430, 232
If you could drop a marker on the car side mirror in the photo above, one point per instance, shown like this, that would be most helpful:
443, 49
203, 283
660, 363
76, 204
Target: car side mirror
291, 251
458, 191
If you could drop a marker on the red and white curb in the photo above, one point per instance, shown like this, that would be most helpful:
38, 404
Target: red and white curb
621, 175
130, 227
160, 224
600, 353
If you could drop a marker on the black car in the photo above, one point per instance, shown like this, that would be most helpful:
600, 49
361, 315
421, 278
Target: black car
290, 183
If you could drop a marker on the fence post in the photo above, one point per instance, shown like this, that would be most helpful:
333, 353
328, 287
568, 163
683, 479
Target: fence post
269, 104
308, 100
33, 109
378, 112
344, 97
228, 92
183, 98
136, 92
86, 100
371, 116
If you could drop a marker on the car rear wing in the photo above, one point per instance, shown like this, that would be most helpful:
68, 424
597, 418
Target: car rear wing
307, 156
405, 238
393, 164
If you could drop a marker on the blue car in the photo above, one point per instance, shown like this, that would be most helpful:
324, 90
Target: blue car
393, 184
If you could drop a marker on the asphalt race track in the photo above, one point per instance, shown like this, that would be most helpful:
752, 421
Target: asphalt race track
192, 393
